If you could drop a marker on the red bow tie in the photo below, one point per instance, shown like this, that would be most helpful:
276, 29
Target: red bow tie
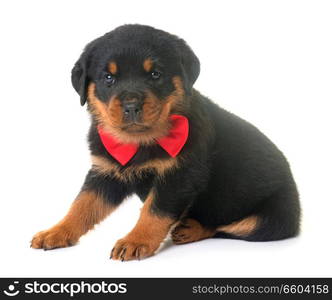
172, 143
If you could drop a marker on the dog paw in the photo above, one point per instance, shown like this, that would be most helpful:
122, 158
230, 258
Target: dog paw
129, 249
189, 230
56, 237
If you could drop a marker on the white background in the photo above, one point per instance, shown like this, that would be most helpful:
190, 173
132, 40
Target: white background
269, 62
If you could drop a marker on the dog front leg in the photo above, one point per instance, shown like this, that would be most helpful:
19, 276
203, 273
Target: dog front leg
100, 195
163, 207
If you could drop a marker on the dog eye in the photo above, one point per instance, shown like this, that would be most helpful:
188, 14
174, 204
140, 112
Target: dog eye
109, 79
155, 75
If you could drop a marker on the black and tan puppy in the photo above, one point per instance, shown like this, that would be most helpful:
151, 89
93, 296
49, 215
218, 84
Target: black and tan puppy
201, 171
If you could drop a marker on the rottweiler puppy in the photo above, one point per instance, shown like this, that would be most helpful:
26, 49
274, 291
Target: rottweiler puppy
201, 171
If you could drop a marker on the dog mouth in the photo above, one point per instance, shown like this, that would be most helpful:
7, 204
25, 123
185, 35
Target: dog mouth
135, 127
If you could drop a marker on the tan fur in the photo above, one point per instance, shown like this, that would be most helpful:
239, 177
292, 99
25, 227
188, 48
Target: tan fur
105, 114
87, 210
155, 115
174, 100
159, 166
240, 228
112, 67
190, 230
147, 64
147, 235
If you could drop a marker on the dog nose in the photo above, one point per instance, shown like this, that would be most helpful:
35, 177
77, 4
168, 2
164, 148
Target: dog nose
132, 110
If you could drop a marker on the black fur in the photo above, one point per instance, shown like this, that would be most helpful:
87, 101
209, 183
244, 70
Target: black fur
229, 169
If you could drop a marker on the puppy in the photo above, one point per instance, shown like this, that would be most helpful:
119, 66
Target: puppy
201, 171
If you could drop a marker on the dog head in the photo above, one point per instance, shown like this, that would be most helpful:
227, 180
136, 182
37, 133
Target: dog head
133, 78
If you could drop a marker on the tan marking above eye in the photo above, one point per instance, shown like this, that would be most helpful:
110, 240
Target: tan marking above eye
112, 67
147, 64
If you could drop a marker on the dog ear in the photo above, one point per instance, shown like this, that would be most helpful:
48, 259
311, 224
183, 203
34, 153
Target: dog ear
190, 65
79, 78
